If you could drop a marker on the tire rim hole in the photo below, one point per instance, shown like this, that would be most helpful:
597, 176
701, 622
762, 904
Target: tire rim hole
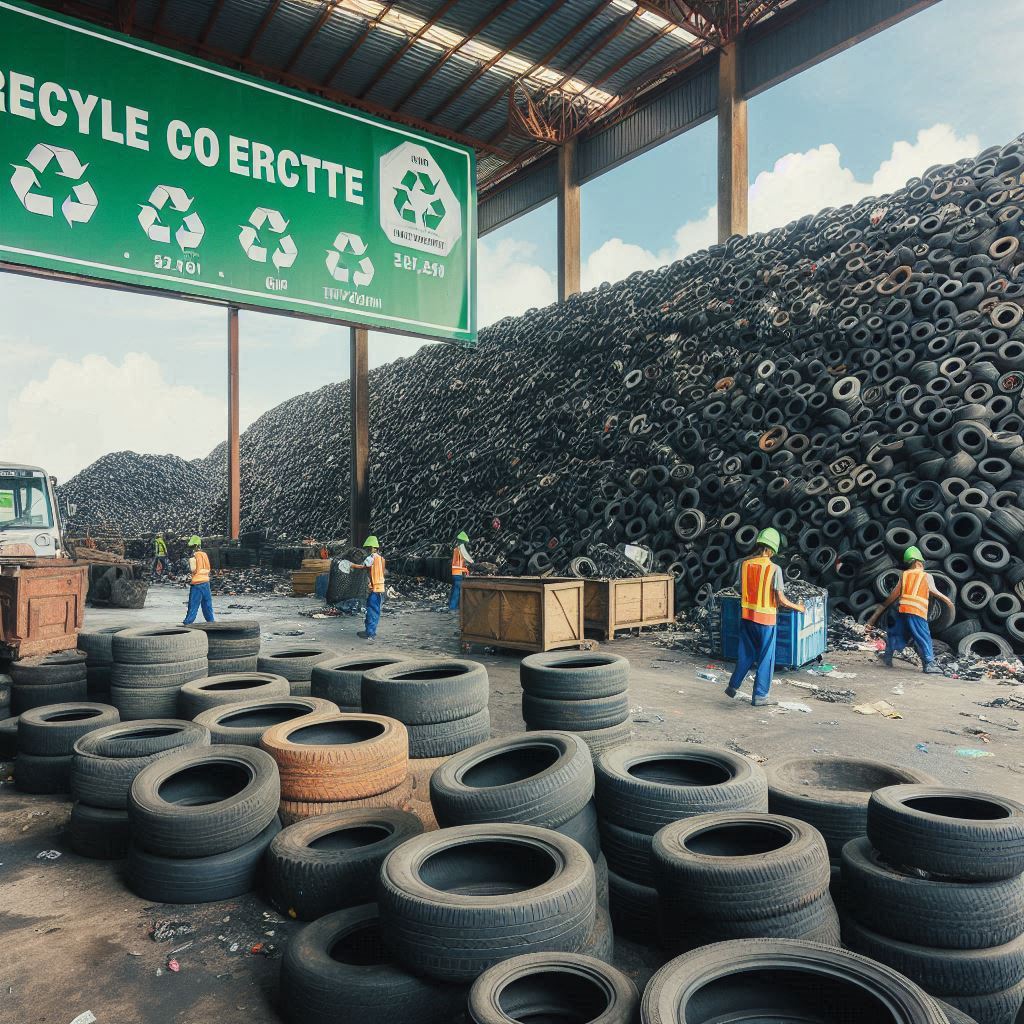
553, 997
740, 839
489, 867
337, 733
512, 765
361, 947
351, 838
257, 718
73, 716
957, 807
680, 771
206, 783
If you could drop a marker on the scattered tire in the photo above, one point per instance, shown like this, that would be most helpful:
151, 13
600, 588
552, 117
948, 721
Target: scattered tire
634, 909
575, 715
446, 738
26, 696
340, 679
158, 675
97, 644
247, 720
628, 853
294, 663
582, 827
426, 692
202, 694
99, 832
574, 676
38, 774
600, 740
49, 670
152, 645
400, 798
55, 729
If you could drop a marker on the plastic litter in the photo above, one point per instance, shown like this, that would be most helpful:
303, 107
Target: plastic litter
973, 752
880, 707
88, 1017
794, 705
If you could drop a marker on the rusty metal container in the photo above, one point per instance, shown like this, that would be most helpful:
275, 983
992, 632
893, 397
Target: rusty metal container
42, 605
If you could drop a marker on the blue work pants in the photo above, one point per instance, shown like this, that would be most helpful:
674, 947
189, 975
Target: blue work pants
905, 629
373, 606
456, 594
199, 594
757, 652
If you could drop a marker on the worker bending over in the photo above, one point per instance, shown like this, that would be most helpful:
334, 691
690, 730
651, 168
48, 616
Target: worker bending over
461, 561
761, 596
910, 623
374, 565
159, 554
199, 592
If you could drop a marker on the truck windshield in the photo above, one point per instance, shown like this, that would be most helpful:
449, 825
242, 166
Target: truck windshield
24, 503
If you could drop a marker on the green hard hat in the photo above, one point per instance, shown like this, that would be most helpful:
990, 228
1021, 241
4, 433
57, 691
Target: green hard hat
463, 536
195, 542
371, 542
771, 538
913, 554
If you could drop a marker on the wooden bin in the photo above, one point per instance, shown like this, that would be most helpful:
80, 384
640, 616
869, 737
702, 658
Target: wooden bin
528, 613
635, 601
42, 605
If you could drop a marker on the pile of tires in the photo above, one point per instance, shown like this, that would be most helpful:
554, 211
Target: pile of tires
5, 696
296, 664
739, 874
336, 762
201, 820
233, 646
935, 890
46, 741
99, 659
245, 721
103, 769
585, 693
151, 664
231, 688
54, 679
641, 788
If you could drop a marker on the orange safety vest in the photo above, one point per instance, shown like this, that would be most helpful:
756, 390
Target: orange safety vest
459, 567
758, 598
202, 570
377, 575
914, 593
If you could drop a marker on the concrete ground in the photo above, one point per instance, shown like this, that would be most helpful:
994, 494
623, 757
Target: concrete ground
74, 939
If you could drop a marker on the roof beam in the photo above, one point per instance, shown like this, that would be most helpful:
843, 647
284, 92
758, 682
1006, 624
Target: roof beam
628, 58
267, 18
125, 15
211, 21
351, 49
314, 30
702, 20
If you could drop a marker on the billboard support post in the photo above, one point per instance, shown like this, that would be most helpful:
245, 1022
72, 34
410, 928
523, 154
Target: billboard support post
359, 410
234, 444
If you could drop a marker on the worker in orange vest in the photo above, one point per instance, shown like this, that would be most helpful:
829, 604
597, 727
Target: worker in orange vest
761, 596
461, 561
910, 623
199, 592
374, 565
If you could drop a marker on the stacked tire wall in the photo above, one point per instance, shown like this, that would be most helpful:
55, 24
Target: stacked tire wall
151, 664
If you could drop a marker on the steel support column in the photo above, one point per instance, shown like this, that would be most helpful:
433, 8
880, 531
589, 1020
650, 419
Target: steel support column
234, 445
568, 222
732, 146
359, 394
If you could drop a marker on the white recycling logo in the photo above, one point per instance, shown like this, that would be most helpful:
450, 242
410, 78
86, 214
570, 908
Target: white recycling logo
80, 203
249, 238
191, 230
349, 244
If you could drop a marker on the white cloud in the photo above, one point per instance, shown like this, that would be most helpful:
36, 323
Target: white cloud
84, 409
509, 282
614, 260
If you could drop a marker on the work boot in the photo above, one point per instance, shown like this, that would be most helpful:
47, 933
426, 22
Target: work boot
886, 659
764, 702
363, 635
931, 669
731, 691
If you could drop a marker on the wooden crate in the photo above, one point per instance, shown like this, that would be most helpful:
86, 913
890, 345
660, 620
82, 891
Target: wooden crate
609, 605
304, 579
528, 613
42, 606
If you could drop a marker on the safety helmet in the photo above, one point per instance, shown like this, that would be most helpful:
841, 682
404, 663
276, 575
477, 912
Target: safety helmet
913, 554
371, 542
463, 536
770, 538
195, 542
159, 533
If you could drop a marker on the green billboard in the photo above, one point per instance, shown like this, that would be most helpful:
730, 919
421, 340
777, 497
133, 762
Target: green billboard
126, 162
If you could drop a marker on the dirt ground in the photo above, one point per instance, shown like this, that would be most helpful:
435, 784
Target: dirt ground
74, 939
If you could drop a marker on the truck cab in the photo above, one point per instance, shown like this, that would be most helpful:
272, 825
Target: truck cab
29, 517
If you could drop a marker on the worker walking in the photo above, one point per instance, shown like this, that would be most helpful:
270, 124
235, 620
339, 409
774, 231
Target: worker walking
909, 624
199, 593
159, 554
461, 561
374, 565
761, 596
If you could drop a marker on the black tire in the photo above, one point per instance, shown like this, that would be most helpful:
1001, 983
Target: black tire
294, 663
222, 666
942, 972
984, 645
953, 832
785, 979
26, 696
990, 1008
628, 853
645, 786
151, 702
831, 793
426, 692
911, 907
36, 774
55, 729
600, 740
741, 866
540, 779
439, 911
202, 694
50, 670
953, 1015
600, 943
583, 828
97, 645
239, 790
574, 676
445, 738
553, 986
634, 909
153, 645
342, 960
575, 715
8, 738
246, 721
219, 876
238, 631
99, 832
332, 861
340, 679
158, 676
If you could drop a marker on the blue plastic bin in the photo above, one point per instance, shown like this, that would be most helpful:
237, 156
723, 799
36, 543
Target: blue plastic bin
801, 638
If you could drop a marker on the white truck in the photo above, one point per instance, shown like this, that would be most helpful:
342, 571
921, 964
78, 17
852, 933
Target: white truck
29, 516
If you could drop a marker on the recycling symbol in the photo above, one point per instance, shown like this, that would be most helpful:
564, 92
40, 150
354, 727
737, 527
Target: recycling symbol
344, 245
285, 252
418, 209
191, 230
414, 200
78, 206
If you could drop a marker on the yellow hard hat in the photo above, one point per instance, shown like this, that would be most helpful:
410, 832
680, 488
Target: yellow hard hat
371, 542
195, 542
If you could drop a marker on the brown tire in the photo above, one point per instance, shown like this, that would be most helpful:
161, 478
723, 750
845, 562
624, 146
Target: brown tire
400, 798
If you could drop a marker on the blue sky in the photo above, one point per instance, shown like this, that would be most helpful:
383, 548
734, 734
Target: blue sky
149, 374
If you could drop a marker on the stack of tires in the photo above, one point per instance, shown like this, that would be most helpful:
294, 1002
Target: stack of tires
340, 679
8, 721
46, 740
5, 697
336, 762
541, 779
217, 690
54, 679
151, 664
584, 693
104, 767
233, 646
296, 665
739, 874
935, 890
97, 645
201, 821
245, 721
641, 788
